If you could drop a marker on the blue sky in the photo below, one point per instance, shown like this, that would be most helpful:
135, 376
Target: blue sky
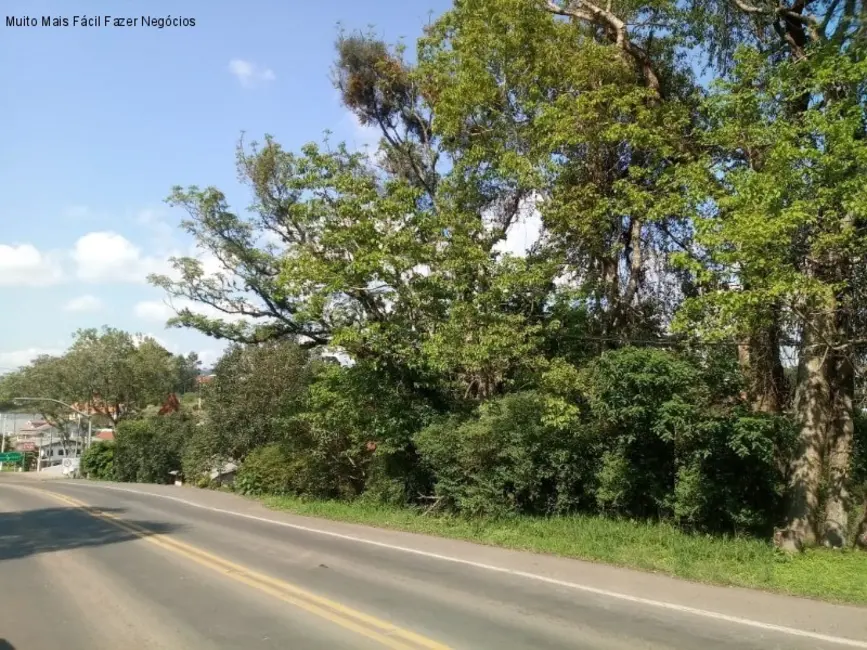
102, 122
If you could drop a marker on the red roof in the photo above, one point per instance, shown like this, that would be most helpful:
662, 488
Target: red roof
104, 434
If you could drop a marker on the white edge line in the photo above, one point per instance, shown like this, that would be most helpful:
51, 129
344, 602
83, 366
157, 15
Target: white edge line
661, 604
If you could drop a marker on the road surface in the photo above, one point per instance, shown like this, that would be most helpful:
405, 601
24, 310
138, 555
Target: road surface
87, 566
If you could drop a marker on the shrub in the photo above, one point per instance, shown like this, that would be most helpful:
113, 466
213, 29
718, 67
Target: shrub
266, 470
667, 450
148, 449
361, 423
635, 433
256, 391
505, 460
97, 461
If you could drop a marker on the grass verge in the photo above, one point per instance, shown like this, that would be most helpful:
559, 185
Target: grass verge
837, 576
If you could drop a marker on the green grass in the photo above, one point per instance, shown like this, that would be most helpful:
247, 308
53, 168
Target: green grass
838, 576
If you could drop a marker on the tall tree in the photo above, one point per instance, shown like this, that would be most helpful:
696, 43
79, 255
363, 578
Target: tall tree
389, 259
787, 224
257, 394
117, 374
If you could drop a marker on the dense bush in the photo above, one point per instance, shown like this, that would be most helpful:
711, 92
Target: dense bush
362, 422
639, 433
146, 450
667, 448
266, 470
505, 460
97, 461
647, 441
256, 393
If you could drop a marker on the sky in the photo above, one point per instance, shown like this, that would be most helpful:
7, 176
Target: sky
101, 122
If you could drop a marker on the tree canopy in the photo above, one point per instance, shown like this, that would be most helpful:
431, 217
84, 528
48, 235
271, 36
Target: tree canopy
107, 372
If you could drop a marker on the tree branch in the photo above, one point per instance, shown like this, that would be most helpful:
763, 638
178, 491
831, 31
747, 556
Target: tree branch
617, 33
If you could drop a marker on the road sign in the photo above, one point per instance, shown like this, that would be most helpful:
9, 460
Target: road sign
70, 465
11, 457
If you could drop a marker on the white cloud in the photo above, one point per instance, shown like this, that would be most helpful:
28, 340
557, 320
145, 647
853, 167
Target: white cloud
138, 339
110, 257
361, 137
17, 358
86, 302
250, 74
211, 265
24, 265
210, 356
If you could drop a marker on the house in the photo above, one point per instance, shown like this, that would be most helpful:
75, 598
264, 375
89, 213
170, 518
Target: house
33, 432
46, 439
201, 380
103, 435
52, 453
96, 407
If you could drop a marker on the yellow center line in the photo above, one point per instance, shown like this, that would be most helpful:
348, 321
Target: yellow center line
371, 627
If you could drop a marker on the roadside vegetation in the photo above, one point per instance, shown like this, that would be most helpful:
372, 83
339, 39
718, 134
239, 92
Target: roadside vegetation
671, 376
838, 576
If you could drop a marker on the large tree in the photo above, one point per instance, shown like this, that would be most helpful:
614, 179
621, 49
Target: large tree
110, 372
389, 259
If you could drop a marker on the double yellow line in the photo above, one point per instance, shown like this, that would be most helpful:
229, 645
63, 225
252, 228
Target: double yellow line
383, 632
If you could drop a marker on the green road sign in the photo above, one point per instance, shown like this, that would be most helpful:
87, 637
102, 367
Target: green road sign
11, 457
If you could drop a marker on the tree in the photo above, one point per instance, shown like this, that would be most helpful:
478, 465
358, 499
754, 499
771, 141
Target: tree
587, 126
388, 262
147, 449
111, 372
739, 209
97, 461
118, 374
188, 369
256, 398
789, 214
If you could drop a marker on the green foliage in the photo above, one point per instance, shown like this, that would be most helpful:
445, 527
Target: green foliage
361, 425
266, 470
667, 450
505, 460
643, 440
112, 372
256, 398
509, 383
788, 213
97, 462
146, 450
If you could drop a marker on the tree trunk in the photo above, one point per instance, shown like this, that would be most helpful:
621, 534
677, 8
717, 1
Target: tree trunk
839, 454
815, 411
861, 535
759, 360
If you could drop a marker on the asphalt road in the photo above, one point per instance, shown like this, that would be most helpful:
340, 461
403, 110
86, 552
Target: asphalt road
87, 567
